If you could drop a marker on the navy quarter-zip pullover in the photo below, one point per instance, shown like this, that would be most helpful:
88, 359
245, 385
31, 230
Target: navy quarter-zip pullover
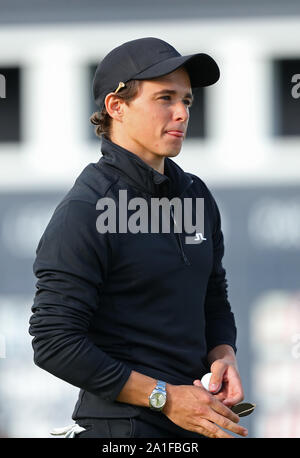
108, 303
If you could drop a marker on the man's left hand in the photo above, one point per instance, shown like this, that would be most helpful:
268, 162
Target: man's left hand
225, 375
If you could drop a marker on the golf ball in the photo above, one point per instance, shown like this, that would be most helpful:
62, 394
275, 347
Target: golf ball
205, 381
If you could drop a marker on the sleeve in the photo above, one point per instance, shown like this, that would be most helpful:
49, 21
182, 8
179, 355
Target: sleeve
71, 267
220, 321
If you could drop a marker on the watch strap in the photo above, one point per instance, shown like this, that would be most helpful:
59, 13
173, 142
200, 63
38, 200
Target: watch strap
160, 385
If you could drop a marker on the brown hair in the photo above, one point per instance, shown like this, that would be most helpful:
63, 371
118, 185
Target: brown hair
102, 120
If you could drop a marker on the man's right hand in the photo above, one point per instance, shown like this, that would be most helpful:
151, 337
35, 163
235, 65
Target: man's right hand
195, 409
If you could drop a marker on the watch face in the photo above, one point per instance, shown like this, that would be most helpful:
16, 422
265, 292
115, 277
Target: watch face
157, 400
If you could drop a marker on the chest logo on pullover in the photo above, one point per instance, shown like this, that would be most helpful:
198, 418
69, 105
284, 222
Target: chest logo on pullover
195, 239
199, 236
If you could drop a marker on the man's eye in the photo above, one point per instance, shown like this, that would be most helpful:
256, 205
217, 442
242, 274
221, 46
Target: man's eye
188, 102
165, 97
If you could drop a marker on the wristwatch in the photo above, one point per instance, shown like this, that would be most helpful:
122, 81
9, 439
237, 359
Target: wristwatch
158, 397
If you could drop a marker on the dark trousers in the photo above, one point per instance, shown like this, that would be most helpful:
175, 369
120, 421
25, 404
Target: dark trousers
146, 424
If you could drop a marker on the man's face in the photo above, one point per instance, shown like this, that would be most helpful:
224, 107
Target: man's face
156, 121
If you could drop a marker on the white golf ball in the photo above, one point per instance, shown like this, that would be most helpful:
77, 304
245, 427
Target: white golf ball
205, 381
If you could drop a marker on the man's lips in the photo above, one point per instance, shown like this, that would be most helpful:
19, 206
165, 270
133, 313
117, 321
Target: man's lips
176, 133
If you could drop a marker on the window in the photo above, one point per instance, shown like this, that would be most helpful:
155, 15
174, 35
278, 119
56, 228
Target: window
10, 109
196, 127
286, 97
92, 107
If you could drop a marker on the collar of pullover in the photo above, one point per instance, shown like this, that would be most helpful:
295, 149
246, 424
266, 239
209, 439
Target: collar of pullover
135, 171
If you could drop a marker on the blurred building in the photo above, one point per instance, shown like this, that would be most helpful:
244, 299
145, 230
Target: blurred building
244, 142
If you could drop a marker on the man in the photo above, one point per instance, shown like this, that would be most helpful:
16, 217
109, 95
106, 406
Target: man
136, 318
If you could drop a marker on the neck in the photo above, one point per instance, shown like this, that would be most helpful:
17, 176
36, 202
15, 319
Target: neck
153, 160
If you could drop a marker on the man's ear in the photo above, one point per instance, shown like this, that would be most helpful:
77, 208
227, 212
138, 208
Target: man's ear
114, 106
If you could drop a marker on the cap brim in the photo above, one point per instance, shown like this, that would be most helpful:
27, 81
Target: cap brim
202, 69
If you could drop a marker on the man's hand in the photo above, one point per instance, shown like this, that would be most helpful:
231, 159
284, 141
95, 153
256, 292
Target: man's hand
225, 375
192, 407
195, 409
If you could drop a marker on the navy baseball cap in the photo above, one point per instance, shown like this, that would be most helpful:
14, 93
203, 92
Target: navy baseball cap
145, 59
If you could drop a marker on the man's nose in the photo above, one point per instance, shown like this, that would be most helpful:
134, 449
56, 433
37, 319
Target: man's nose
181, 112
